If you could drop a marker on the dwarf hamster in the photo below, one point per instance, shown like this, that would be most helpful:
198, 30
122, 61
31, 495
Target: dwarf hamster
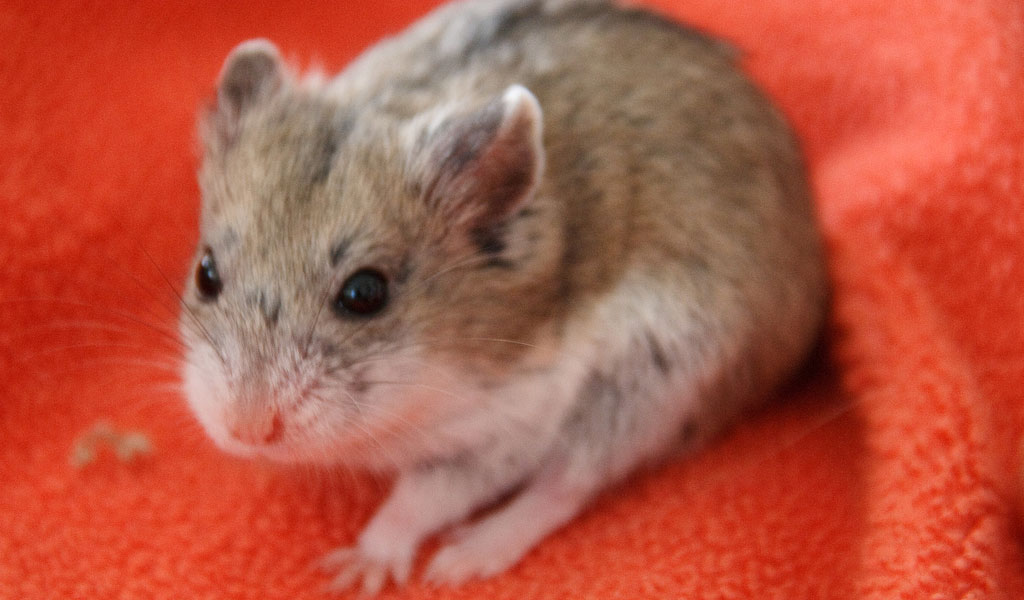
512, 253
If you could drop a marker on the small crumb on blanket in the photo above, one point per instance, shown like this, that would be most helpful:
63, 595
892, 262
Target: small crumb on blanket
126, 445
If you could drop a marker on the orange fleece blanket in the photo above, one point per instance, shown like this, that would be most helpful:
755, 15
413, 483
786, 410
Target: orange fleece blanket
890, 471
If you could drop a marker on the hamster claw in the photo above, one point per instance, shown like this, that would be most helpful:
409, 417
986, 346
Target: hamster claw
354, 567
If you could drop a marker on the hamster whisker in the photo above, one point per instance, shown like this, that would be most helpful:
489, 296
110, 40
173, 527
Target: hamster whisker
196, 326
199, 328
152, 371
97, 327
364, 410
57, 350
154, 367
844, 407
313, 324
460, 262
108, 311
500, 408
169, 388
563, 350
499, 340
451, 378
455, 264
451, 343
386, 357
143, 283
151, 291
363, 428
326, 479
393, 418
187, 310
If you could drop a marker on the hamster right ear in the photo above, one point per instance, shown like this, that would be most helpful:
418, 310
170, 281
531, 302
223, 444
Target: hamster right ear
479, 166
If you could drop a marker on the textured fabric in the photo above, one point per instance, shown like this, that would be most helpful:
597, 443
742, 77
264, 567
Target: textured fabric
890, 471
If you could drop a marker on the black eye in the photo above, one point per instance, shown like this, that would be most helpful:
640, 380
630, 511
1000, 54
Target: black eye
364, 293
207, 278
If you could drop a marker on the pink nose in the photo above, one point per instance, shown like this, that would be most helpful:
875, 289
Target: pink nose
257, 430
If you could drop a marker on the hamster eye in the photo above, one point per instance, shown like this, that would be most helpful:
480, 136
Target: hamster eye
207, 278
364, 293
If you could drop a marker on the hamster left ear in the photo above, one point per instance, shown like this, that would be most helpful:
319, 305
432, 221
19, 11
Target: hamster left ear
252, 73
479, 167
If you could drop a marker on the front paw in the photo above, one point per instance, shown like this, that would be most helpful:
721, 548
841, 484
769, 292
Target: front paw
368, 567
470, 554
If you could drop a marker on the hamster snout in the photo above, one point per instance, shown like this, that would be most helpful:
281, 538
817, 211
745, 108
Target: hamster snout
260, 429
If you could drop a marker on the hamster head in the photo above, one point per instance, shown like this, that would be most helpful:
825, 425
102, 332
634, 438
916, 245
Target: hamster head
362, 275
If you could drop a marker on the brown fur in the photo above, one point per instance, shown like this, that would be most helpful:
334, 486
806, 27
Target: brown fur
699, 203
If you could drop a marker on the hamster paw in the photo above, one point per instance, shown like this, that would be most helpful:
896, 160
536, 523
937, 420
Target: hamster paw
473, 553
367, 569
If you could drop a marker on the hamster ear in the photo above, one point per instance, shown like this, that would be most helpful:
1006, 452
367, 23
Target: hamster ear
252, 72
480, 166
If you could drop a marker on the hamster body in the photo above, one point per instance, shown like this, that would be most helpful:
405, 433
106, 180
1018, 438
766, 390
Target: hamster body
525, 245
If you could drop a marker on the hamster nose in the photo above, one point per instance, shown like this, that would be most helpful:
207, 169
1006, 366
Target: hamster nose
257, 430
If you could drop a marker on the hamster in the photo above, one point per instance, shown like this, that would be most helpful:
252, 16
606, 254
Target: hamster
513, 253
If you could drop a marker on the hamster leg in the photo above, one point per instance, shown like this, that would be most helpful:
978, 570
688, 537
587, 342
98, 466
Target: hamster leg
620, 422
424, 501
499, 540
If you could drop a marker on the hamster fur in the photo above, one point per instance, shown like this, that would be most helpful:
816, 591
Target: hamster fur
527, 245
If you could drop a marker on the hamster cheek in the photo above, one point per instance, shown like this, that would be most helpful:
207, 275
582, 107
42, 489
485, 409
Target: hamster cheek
413, 391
